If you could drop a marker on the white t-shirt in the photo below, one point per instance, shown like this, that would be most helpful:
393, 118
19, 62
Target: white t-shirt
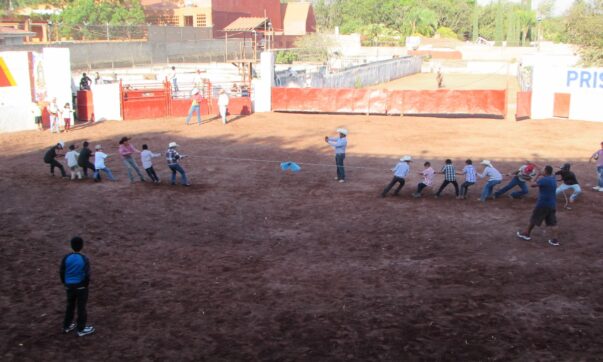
146, 157
99, 159
223, 100
71, 157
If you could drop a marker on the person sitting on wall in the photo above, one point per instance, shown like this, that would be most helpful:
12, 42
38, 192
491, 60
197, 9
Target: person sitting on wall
85, 82
235, 89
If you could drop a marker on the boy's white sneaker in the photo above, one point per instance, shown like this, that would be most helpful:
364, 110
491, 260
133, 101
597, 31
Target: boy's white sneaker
597, 188
86, 331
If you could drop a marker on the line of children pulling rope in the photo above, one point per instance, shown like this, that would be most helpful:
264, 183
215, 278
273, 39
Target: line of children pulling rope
80, 161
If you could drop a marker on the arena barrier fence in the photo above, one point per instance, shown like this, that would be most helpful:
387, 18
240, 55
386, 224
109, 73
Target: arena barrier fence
524, 105
157, 100
383, 101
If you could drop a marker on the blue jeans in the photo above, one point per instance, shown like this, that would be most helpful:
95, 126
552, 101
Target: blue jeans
105, 170
339, 157
487, 191
131, 166
195, 108
177, 168
576, 190
600, 172
515, 181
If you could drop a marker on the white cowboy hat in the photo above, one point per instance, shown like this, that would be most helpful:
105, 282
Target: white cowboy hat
172, 145
406, 158
98, 147
194, 91
342, 131
486, 162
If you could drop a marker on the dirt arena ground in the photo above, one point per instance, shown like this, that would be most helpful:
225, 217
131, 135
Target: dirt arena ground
250, 263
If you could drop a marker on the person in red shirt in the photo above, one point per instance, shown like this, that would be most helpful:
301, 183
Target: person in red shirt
195, 106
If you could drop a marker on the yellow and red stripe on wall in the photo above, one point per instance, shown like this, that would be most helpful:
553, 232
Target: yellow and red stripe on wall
6, 78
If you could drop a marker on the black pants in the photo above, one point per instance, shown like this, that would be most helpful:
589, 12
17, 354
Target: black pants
54, 163
420, 187
395, 180
85, 166
151, 172
339, 162
445, 183
465, 187
76, 296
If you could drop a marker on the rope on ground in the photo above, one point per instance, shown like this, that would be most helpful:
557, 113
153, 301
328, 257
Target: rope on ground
279, 162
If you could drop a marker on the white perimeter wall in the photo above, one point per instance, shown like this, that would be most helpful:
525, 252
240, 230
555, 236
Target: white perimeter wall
15, 102
585, 86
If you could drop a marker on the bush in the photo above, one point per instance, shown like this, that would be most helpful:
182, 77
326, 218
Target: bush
285, 57
445, 32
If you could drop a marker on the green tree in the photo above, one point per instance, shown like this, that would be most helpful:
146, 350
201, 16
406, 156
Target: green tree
499, 24
585, 28
475, 23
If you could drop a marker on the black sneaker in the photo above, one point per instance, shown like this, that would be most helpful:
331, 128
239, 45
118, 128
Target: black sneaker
86, 331
70, 328
522, 236
554, 242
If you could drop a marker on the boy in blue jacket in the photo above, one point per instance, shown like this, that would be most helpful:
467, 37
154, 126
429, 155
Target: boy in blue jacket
75, 275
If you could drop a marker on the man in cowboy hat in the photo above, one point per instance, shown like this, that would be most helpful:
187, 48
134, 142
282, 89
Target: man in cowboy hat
195, 106
401, 170
126, 150
339, 144
173, 157
494, 178
50, 158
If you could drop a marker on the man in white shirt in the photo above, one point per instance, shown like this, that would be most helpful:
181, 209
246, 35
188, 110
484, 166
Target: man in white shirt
339, 144
72, 157
494, 178
223, 104
146, 156
401, 170
99, 164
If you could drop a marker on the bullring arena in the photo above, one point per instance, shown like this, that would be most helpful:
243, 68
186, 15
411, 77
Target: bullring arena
251, 263
254, 263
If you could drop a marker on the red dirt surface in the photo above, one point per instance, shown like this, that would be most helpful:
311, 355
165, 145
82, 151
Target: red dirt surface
251, 263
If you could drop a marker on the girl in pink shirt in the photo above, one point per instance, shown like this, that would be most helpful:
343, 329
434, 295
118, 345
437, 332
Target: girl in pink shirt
428, 174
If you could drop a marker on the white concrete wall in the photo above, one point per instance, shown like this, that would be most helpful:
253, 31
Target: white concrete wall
585, 86
15, 102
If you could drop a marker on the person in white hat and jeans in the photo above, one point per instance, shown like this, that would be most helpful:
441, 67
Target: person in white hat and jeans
401, 170
339, 144
494, 178
195, 106
50, 158
173, 157
99, 164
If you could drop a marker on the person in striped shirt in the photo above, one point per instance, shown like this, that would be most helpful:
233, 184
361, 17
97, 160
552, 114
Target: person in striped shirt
470, 178
494, 178
449, 178
427, 174
401, 170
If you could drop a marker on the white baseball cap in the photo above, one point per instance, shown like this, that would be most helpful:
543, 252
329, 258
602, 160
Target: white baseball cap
62, 144
195, 91
172, 145
406, 158
98, 147
342, 131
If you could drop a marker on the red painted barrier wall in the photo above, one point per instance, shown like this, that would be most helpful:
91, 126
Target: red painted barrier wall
524, 105
145, 103
382, 101
437, 54
85, 106
561, 105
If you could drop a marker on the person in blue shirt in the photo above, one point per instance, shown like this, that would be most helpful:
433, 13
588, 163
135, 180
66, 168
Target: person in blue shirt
75, 276
339, 144
401, 170
545, 207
